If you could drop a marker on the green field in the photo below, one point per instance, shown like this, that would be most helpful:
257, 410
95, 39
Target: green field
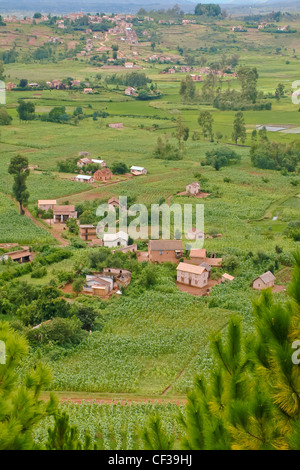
152, 342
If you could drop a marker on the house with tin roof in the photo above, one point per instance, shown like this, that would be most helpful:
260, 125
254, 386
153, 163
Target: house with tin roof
190, 275
265, 281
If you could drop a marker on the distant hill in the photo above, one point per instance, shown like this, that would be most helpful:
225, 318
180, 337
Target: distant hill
28, 7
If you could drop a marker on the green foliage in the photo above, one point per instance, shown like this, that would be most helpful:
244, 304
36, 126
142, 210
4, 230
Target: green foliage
166, 151
119, 168
221, 157
275, 156
26, 110
19, 169
63, 436
187, 89
21, 408
208, 9
5, 118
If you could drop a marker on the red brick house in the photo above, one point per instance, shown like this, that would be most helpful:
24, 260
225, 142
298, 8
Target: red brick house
103, 175
160, 251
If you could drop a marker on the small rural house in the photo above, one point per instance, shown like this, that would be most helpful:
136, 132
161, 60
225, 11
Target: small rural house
227, 277
87, 232
190, 275
98, 285
46, 204
197, 78
103, 175
85, 179
264, 281
114, 201
193, 188
121, 277
20, 256
63, 213
84, 161
138, 170
130, 91
194, 234
197, 256
160, 251
115, 239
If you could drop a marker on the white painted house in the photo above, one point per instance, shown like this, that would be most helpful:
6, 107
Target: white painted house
138, 170
115, 239
85, 179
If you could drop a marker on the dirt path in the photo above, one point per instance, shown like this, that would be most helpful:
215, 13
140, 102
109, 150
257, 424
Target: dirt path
79, 397
39, 224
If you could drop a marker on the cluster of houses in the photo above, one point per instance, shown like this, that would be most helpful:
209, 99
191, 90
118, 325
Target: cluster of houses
103, 174
110, 281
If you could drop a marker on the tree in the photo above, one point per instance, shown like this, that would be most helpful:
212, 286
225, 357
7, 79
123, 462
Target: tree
26, 110
187, 89
21, 408
78, 286
239, 128
5, 118
87, 315
221, 157
248, 78
119, 168
18, 167
72, 226
182, 133
209, 9
279, 92
206, 121
23, 83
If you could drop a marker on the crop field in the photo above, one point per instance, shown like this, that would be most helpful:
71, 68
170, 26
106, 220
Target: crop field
115, 426
149, 342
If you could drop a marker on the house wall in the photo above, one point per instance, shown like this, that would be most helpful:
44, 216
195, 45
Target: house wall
191, 279
114, 243
259, 284
162, 256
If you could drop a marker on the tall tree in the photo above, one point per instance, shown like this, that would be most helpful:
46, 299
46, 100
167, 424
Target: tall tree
187, 89
182, 133
248, 78
206, 121
239, 128
26, 110
18, 167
